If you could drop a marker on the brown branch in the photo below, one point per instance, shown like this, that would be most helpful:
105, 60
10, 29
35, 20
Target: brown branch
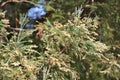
16, 1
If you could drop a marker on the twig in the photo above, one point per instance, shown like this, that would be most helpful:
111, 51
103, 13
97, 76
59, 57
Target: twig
17, 1
16, 29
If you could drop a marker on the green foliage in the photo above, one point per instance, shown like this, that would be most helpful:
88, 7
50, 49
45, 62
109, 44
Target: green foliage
69, 51
110, 21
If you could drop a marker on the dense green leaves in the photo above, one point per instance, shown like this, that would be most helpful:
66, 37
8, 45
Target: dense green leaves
69, 49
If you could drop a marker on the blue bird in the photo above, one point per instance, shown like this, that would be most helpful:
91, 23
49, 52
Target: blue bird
36, 12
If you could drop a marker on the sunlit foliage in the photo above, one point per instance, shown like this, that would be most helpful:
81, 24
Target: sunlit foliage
66, 47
